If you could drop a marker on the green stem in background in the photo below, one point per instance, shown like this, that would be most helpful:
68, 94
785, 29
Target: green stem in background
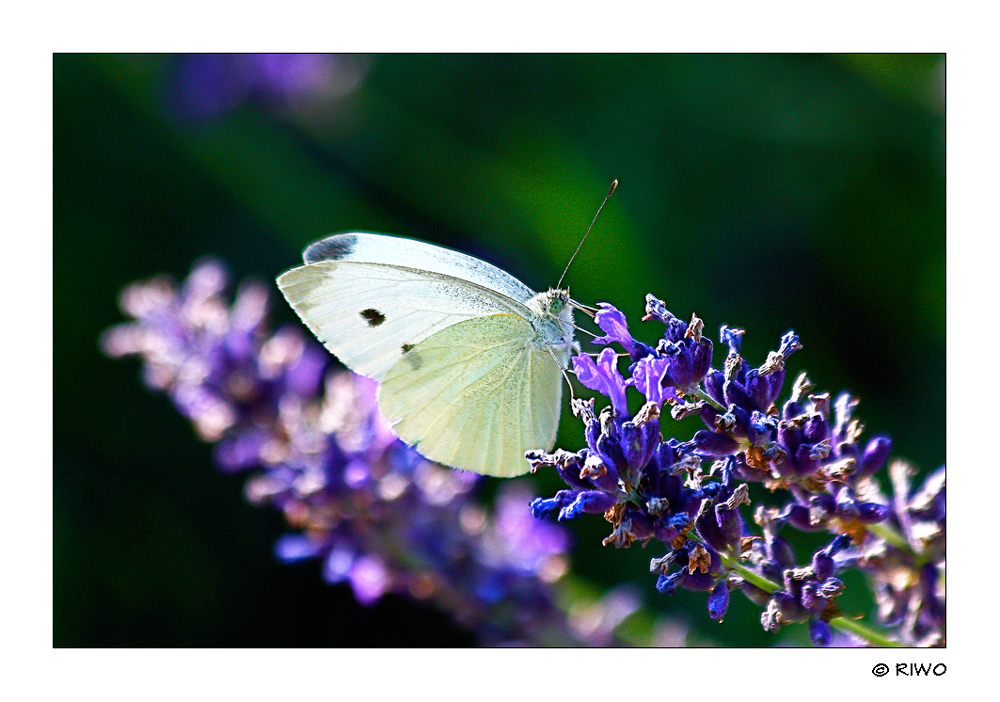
892, 536
863, 631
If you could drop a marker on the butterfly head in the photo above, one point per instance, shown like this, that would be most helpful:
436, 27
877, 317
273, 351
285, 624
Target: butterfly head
556, 301
554, 321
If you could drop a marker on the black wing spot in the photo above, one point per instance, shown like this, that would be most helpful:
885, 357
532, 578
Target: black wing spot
407, 347
373, 317
332, 248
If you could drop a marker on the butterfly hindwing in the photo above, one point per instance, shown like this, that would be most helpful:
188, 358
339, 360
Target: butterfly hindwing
476, 395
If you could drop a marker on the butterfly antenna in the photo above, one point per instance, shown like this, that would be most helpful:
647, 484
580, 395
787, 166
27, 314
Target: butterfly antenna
606, 197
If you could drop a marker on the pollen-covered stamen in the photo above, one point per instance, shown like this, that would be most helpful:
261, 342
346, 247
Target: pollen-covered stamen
821, 404
593, 468
775, 362
657, 309
800, 388
685, 408
725, 422
755, 458
695, 328
699, 559
844, 407
732, 337
732, 366
647, 413
657, 505
842, 469
820, 451
583, 410
621, 536
740, 496
854, 431
789, 344
663, 564
607, 418
688, 463
561, 458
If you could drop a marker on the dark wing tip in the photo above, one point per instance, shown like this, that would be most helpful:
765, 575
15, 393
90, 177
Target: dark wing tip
332, 248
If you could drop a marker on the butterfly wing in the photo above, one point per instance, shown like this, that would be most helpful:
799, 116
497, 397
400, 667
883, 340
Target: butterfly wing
476, 395
365, 247
370, 314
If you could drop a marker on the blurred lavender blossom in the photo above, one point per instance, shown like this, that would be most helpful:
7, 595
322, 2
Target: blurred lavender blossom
202, 87
381, 517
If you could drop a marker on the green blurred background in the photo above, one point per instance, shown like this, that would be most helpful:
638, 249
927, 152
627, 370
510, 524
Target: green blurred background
766, 192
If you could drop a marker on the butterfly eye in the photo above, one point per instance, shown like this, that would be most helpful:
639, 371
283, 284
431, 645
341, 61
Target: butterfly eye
557, 302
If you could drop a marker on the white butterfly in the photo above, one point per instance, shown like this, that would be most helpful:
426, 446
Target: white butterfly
468, 357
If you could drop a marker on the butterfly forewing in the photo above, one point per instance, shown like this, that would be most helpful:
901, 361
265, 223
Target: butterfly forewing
366, 247
370, 314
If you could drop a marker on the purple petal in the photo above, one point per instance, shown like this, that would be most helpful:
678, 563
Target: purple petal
612, 323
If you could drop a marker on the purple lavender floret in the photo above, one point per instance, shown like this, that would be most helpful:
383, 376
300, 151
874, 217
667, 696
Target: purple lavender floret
379, 516
907, 572
807, 594
650, 489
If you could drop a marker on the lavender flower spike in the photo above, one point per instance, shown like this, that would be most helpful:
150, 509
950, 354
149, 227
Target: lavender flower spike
379, 516
651, 489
